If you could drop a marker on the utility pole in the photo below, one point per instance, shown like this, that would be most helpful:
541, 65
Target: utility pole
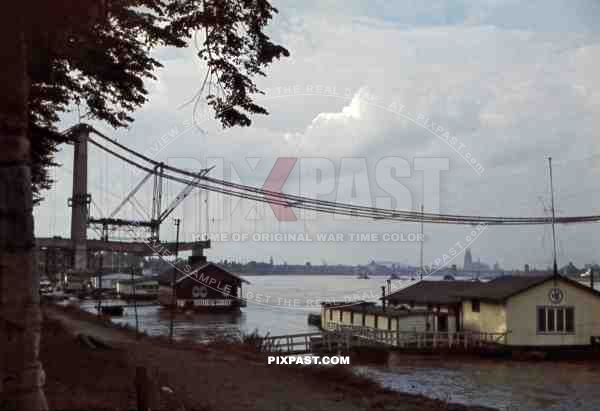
177, 222
422, 241
553, 219
137, 325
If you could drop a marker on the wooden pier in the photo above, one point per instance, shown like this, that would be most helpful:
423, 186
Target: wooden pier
421, 340
338, 338
289, 344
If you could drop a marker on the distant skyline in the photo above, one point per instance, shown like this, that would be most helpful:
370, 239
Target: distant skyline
513, 82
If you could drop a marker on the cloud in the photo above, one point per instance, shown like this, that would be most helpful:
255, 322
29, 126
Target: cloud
513, 83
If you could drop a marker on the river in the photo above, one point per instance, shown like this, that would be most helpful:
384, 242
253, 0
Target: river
280, 304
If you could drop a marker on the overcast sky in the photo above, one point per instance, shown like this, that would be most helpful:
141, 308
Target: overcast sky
512, 83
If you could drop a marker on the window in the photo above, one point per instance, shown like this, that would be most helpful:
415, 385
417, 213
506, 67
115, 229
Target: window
560, 320
475, 306
442, 323
555, 320
341, 313
550, 323
570, 320
541, 320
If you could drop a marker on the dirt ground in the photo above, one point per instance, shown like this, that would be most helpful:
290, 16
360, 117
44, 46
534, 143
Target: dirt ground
192, 377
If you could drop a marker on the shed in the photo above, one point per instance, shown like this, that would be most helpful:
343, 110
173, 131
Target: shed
201, 285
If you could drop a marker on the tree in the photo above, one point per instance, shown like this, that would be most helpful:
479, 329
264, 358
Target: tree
97, 54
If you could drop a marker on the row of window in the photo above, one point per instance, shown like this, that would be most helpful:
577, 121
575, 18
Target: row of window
555, 319
550, 319
442, 321
352, 318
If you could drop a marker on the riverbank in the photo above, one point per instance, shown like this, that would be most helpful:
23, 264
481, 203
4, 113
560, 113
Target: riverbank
185, 375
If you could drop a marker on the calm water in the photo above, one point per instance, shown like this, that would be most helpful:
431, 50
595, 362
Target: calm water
280, 305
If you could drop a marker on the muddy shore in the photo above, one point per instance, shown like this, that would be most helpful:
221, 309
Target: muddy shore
185, 375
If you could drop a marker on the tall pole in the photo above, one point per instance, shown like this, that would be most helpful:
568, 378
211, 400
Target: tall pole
422, 241
173, 294
553, 219
137, 325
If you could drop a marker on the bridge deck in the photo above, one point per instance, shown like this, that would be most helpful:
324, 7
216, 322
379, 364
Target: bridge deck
138, 248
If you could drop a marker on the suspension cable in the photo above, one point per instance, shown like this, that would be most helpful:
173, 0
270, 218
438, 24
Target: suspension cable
294, 201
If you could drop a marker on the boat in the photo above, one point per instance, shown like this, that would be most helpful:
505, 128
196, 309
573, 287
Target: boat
394, 276
206, 287
314, 319
112, 310
363, 276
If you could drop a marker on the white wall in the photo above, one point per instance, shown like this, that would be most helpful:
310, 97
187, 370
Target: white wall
522, 316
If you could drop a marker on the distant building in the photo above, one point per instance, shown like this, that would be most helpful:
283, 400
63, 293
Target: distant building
141, 288
468, 259
109, 281
471, 266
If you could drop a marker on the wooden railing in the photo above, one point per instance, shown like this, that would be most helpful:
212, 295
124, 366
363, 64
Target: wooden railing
417, 339
338, 337
289, 344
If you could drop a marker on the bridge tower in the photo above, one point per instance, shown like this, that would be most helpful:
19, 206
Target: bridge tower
80, 199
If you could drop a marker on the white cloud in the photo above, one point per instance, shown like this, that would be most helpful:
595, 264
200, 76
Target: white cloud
511, 92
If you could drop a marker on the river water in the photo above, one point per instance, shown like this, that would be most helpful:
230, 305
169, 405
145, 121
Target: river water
280, 304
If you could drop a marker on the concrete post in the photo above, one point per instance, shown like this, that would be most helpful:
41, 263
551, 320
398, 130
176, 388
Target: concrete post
80, 199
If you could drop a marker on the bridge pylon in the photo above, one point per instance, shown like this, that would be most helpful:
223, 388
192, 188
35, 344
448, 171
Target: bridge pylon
80, 198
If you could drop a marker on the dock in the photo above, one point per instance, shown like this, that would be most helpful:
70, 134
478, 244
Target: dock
338, 338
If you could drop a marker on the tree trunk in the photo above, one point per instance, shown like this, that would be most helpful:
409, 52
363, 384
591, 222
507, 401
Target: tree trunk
21, 373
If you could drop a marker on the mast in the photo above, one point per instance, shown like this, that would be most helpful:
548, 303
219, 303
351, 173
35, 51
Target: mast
421, 248
553, 219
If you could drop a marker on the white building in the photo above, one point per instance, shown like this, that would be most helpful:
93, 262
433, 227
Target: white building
531, 311
109, 281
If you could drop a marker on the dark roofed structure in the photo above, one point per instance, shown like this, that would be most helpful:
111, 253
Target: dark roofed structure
201, 285
183, 270
433, 292
501, 288
453, 292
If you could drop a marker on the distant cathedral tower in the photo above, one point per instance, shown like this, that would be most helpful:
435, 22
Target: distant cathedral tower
468, 260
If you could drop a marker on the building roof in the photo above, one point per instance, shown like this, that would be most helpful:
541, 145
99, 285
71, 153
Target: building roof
453, 292
433, 292
501, 288
184, 270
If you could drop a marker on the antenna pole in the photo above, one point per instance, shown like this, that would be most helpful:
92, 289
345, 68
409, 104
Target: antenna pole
553, 218
421, 249
177, 223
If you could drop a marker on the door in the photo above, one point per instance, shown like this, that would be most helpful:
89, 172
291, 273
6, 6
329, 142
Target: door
442, 323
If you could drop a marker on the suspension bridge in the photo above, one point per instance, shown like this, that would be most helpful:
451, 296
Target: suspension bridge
79, 249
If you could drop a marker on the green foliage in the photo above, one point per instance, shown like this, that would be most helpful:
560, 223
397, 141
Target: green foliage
97, 53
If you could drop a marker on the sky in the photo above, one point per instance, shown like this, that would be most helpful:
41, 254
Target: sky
511, 83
